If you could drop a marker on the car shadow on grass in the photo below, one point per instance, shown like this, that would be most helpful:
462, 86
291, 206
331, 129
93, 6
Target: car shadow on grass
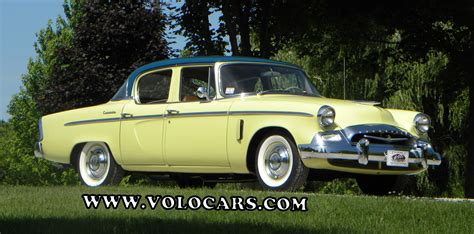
148, 225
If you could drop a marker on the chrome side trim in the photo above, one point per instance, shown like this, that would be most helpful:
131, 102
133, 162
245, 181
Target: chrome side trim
113, 119
91, 121
146, 117
189, 114
270, 113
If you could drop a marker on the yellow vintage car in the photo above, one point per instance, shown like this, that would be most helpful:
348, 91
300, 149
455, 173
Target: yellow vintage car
207, 119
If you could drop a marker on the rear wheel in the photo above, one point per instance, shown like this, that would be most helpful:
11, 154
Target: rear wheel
381, 184
97, 167
278, 164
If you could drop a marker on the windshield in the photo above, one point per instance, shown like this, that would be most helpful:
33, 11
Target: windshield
263, 79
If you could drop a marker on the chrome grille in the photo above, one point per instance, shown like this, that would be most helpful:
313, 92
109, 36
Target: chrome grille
379, 134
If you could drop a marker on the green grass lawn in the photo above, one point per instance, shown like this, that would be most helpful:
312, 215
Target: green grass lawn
60, 209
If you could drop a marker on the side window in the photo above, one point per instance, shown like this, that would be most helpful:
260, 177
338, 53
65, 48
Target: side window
154, 87
121, 94
194, 77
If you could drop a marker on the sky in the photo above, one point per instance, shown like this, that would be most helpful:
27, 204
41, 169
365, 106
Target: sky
20, 20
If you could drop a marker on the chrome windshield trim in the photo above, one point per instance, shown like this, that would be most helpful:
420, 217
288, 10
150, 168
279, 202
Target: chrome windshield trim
270, 113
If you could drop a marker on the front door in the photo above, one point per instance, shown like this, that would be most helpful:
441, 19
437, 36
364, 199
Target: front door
142, 123
196, 128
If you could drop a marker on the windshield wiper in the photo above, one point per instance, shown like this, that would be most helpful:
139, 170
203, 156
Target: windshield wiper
272, 92
285, 92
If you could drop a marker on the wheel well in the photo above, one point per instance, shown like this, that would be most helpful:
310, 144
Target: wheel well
76, 150
257, 137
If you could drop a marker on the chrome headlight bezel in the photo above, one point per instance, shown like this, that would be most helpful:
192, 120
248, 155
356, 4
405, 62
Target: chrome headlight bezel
326, 116
422, 123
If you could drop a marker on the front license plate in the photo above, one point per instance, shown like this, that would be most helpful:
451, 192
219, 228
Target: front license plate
397, 158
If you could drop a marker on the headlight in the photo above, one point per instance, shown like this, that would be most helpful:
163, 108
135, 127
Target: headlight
326, 116
422, 123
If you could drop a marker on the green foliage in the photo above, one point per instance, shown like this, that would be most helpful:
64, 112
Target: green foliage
107, 42
403, 54
80, 60
455, 156
17, 158
336, 186
407, 83
192, 18
136, 179
4, 132
401, 78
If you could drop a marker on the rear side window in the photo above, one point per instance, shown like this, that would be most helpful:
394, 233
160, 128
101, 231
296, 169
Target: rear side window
154, 87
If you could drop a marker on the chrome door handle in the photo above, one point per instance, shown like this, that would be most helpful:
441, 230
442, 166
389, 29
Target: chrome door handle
108, 112
172, 112
126, 115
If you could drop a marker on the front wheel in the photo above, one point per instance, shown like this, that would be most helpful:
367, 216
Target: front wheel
97, 166
278, 164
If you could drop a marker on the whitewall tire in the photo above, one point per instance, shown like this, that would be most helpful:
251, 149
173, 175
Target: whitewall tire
278, 164
97, 167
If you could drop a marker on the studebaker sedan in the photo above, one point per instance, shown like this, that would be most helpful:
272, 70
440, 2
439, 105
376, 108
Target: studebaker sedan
209, 119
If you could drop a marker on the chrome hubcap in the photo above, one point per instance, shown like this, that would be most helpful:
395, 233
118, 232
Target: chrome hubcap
277, 160
96, 162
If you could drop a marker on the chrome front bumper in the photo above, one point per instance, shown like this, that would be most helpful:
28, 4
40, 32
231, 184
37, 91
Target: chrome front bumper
39, 150
361, 153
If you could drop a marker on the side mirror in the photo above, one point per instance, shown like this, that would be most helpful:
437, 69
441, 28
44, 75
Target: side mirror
201, 92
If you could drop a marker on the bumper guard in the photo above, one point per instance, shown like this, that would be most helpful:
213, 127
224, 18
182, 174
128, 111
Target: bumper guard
39, 150
421, 152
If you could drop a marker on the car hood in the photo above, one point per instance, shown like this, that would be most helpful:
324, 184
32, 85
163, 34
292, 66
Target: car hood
348, 113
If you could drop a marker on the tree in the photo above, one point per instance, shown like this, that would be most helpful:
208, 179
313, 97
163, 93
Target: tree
193, 19
110, 40
403, 54
17, 156
80, 60
4, 132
